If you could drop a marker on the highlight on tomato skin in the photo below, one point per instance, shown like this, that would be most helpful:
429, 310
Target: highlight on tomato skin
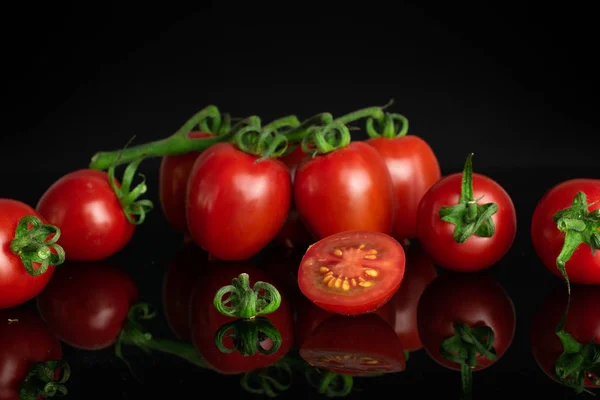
354, 345
206, 320
581, 325
352, 272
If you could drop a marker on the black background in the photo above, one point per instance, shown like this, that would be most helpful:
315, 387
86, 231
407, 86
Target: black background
515, 84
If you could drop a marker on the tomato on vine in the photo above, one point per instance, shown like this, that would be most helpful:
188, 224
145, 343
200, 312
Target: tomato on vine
29, 253
565, 230
413, 166
458, 232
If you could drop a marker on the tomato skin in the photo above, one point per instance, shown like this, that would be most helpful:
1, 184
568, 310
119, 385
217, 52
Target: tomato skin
235, 206
476, 253
85, 305
414, 168
370, 279
474, 299
583, 267
92, 223
16, 284
173, 177
206, 320
339, 343
293, 159
582, 322
419, 273
24, 341
347, 189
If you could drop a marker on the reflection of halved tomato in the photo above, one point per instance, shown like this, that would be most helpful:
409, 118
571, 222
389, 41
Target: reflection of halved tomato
582, 323
419, 272
352, 272
354, 345
206, 320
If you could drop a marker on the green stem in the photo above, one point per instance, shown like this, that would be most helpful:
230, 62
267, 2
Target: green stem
376, 113
178, 143
469, 217
41, 382
248, 335
246, 302
466, 377
33, 246
291, 121
326, 139
391, 126
128, 197
298, 133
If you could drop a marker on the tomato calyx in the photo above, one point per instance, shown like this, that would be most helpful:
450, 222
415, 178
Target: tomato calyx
248, 337
578, 362
580, 226
391, 126
270, 381
469, 217
128, 197
40, 380
245, 302
264, 142
464, 347
32, 245
330, 383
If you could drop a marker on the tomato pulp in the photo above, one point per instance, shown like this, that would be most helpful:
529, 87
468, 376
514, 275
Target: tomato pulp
414, 168
352, 272
85, 305
89, 214
357, 345
173, 177
583, 266
437, 235
236, 206
16, 284
347, 189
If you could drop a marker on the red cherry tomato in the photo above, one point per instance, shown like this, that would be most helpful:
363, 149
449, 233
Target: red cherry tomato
414, 169
476, 253
173, 178
419, 273
583, 266
347, 189
582, 323
293, 159
352, 272
91, 219
16, 284
24, 341
179, 280
206, 320
236, 206
85, 305
359, 345
475, 300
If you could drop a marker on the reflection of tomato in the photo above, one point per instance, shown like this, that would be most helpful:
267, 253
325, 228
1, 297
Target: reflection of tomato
352, 272
173, 177
347, 189
473, 299
583, 266
358, 345
24, 341
419, 272
206, 320
294, 234
178, 282
582, 323
414, 168
86, 305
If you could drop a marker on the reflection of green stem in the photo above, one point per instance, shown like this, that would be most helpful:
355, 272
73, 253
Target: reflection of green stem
248, 335
329, 383
270, 381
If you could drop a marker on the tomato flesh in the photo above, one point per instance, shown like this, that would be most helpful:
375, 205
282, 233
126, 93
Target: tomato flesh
352, 272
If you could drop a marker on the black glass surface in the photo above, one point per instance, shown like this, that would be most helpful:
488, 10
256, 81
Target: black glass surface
463, 85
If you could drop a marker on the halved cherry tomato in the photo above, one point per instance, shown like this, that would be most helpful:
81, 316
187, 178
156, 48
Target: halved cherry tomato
179, 280
582, 323
475, 300
414, 169
24, 341
352, 272
347, 189
173, 178
235, 205
354, 345
206, 320
583, 266
86, 305
419, 273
